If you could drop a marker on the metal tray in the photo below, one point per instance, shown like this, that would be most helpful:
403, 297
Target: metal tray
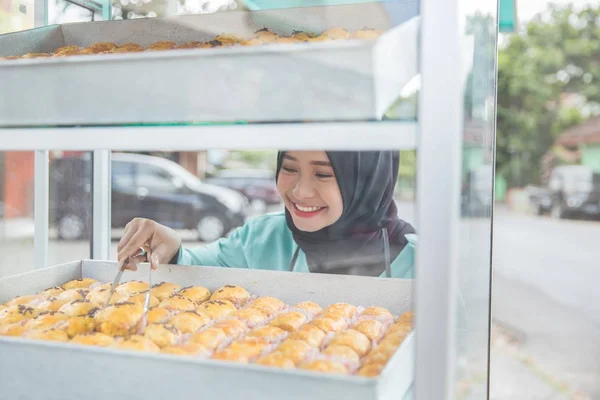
319, 81
43, 370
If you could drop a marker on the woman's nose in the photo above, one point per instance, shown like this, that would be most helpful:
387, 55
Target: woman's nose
303, 189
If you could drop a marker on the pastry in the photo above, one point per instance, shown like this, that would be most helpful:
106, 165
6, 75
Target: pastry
353, 339
289, 321
276, 360
197, 294
228, 39
312, 308
235, 294
399, 329
371, 328
189, 45
189, 321
344, 309
324, 366
342, 353
163, 335
370, 370
320, 38
266, 334
128, 48
329, 323
178, 303
250, 316
98, 296
67, 49
301, 36
102, 47
251, 350
46, 320
94, 339
230, 355
310, 334
137, 342
217, 309
268, 305
120, 319
78, 325
251, 42
164, 290
51, 292
132, 287
55, 303
377, 312
158, 314
406, 318
162, 45
232, 327
395, 338
22, 300
266, 36
186, 349
366, 34
211, 338
14, 329
285, 40
83, 283
295, 350
138, 298
50, 334
79, 307
16, 313
336, 33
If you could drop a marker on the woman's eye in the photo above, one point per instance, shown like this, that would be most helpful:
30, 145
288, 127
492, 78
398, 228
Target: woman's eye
324, 176
288, 169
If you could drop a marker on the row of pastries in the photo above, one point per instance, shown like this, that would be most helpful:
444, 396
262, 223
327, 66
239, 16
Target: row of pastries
229, 324
262, 37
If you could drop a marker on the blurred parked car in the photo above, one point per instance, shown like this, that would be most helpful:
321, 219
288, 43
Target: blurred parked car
143, 186
257, 185
575, 192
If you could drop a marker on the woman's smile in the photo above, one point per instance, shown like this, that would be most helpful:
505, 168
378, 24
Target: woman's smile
306, 211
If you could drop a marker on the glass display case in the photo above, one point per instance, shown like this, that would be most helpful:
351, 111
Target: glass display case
134, 118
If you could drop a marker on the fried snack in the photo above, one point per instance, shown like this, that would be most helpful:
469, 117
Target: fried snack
310, 334
285, 40
336, 33
399, 328
371, 328
158, 315
217, 309
231, 355
251, 42
16, 313
50, 334
137, 342
197, 294
163, 335
94, 339
10, 58
51, 292
211, 338
189, 45
79, 307
381, 354
276, 360
98, 296
366, 34
78, 325
342, 353
250, 350
186, 349
68, 296
132, 287
406, 318
14, 329
164, 290
189, 321
235, 294
232, 327
377, 312
265, 334
67, 49
395, 338
325, 366
301, 36
162, 45
289, 321
102, 47
250, 316
344, 309
83, 283
128, 48
46, 320
212, 43
22, 300
178, 303
320, 38
140, 298
120, 319
353, 339
266, 36
308, 306
295, 350
371, 370
329, 323
268, 305
228, 39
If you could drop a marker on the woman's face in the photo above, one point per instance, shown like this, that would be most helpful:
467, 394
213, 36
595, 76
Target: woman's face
309, 190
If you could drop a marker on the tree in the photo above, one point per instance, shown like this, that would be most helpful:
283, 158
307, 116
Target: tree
556, 57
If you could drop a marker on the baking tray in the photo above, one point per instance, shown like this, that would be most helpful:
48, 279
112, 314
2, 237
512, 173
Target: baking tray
319, 81
35, 370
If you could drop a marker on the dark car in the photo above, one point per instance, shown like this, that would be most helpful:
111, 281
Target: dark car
574, 191
147, 187
257, 185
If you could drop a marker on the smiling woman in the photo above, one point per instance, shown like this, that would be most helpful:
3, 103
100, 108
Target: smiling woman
340, 218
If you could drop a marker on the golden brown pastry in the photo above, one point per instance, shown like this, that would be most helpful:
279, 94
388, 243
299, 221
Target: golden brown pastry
79, 307
16, 313
324, 366
341, 352
186, 349
120, 319
266, 334
228, 39
235, 294
51, 292
137, 342
251, 42
139, 298
164, 290
377, 312
128, 48
178, 303
329, 323
163, 335
50, 334
250, 350
98, 296
102, 47
25, 300
83, 283
295, 350
94, 339
399, 329
285, 40
197, 294
158, 315
231, 355
320, 38
396, 338
162, 45
276, 360
232, 327
78, 325
14, 329
46, 320
250, 316
211, 338
406, 318
381, 354
370, 370
310, 334
55, 303
289, 321
132, 287
268, 305
371, 328
189, 45
312, 308
353, 339
366, 34
67, 49
336, 33
10, 58
217, 309
301, 36
344, 309
266, 36
189, 321
212, 43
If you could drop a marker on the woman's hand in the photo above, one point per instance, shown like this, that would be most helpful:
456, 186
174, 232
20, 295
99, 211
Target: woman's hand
161, 241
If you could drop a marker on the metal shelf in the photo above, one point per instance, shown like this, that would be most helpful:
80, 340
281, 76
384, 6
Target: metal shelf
305, 136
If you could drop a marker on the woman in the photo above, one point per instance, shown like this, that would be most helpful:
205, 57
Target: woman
340, 217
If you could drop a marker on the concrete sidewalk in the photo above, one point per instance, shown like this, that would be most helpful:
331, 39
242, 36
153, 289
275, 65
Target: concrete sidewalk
16, 229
